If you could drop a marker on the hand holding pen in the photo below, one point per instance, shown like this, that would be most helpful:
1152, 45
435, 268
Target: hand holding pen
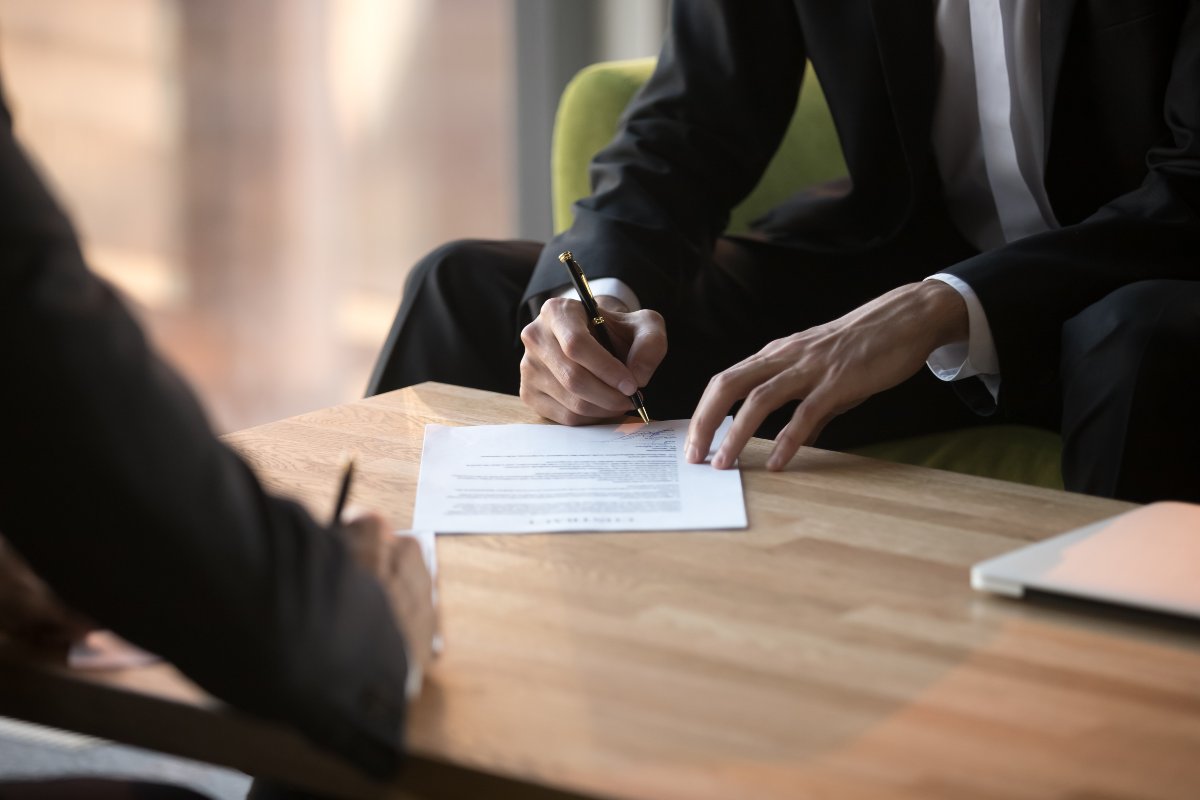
399, 566
597, 322
568, 376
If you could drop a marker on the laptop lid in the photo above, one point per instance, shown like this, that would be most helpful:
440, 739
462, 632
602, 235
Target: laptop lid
1148, 558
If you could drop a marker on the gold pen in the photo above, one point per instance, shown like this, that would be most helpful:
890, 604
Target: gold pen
596, 321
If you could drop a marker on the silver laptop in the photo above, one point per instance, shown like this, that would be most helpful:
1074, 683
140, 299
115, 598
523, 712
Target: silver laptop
1148, 558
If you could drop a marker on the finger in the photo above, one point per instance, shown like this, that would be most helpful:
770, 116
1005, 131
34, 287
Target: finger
714, 405
579, 346
763, 399
553, 410
364, 522
649, 346
420, 624
806, 424
426, 583
366, 536
557, 374
416, 597
410, 563
537, 375
438, 639
723, 390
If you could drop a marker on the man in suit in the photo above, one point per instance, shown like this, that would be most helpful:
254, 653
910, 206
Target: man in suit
1039, 161
117, 494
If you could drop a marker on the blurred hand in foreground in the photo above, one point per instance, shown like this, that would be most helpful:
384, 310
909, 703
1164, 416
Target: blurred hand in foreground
398, 565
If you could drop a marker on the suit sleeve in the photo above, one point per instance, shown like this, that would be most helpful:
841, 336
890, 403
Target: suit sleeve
115, 489
1030, 288
692, 144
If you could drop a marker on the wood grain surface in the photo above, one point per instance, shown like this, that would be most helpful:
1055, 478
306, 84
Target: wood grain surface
834, 649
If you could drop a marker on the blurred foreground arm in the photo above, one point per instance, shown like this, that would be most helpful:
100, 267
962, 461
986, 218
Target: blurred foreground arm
115, 490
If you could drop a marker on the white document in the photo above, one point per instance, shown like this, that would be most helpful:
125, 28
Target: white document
539, 478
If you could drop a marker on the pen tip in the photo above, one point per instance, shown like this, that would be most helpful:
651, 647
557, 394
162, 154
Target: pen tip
565, 256
645, 417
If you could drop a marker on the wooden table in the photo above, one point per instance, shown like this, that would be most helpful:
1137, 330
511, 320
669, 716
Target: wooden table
833, 650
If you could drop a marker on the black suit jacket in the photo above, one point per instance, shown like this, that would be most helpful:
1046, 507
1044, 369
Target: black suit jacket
116, 491
1121, 89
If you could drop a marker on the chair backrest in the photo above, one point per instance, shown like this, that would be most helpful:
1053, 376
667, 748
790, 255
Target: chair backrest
591, 107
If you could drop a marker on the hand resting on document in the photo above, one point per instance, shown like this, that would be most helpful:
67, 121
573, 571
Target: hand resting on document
830, 369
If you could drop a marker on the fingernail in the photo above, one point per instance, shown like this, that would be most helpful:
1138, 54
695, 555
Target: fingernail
627, 387
720, 461
692, 453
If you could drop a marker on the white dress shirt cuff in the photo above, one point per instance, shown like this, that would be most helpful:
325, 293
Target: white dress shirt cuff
977, 355
613, 287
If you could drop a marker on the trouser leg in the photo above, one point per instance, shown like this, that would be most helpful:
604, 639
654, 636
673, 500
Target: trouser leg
1130, 385
458, 319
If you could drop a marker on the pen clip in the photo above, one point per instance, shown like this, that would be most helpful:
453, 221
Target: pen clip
582, 287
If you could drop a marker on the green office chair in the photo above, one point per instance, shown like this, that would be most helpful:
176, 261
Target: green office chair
587, 119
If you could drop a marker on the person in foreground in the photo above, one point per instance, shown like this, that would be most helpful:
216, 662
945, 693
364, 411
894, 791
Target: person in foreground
115, 492
1022, 213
